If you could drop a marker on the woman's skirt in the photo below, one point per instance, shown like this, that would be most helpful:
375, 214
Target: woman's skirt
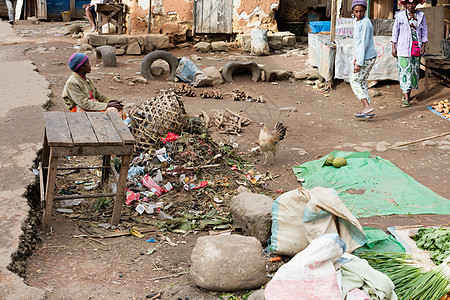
408, 72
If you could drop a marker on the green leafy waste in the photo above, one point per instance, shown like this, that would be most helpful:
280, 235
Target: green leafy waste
411, 282
436, 241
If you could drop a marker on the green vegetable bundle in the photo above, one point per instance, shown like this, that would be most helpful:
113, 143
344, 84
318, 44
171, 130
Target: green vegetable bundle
436, 241
411, 282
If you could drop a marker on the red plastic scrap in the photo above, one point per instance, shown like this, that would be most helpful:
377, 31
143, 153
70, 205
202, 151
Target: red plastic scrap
202, 184
233, 168
169, 138
131, 196
152, 185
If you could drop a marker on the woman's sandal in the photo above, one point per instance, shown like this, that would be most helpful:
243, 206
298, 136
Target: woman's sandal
405, 103
364, 115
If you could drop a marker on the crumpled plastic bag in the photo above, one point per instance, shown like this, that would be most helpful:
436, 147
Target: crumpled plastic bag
259, 42
188, 72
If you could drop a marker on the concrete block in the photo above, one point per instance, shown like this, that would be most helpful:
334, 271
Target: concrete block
202, 47
226, 263
253, 212
134, 49
219, 46
95, 39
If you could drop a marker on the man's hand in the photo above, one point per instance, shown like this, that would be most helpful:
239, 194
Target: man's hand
357, 69
116, 104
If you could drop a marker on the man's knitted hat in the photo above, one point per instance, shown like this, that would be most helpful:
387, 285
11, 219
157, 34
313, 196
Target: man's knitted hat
77, 60
359, 2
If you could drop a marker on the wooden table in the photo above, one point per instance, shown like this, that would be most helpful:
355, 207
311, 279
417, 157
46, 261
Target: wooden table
436, 62
84, 134
110, 13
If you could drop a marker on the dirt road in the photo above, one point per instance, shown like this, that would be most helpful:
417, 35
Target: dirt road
22, 93
322, 123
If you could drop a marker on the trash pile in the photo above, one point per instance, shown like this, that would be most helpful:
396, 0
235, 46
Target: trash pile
187, 182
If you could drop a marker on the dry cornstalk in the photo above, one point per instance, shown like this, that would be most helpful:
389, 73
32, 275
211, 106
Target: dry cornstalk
206, 118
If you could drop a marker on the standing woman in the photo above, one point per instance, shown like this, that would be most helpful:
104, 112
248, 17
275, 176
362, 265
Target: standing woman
365, 56
409, 38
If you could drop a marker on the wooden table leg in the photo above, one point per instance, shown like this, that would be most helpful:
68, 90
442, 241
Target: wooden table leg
106, 171
49, 192
45, 152
118, 201
44, 164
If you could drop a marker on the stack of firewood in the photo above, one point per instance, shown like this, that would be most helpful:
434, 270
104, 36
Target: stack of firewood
228, 121
242, 96
214, 94
185, 89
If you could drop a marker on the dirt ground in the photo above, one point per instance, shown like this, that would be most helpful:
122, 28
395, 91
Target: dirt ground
74, 268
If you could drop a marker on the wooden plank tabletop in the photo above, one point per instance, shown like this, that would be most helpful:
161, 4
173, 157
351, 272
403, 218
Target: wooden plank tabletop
81, 129
121, 128
57, 129
104, 129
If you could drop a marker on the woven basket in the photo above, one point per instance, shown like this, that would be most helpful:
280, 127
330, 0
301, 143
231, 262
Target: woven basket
156, 117
293, 14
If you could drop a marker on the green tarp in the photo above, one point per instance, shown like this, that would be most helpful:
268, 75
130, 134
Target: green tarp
372, 186
379, 241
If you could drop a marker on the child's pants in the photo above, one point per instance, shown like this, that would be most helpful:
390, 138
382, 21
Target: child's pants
10, 6
358, 81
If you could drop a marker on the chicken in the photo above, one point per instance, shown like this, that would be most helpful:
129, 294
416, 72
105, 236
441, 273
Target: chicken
269, 141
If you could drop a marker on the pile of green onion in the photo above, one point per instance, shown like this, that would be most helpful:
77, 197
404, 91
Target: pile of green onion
411, 282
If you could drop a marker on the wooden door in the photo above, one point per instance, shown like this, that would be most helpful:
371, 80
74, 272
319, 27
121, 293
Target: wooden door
41, 9
382, 9
213, 16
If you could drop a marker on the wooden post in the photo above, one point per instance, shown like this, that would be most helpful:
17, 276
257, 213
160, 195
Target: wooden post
333, 20
427, 75
149, 16
72, 9
118, 200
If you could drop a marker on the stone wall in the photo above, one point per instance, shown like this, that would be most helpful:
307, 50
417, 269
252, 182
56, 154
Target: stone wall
169, 17
249, 14
175, 17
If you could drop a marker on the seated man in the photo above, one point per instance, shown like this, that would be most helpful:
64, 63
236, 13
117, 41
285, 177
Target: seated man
80, 93
91, 14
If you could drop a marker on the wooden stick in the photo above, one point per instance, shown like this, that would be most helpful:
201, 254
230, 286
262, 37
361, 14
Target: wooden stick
203, 167
78, 196
41, 185
233, 113
79, 168
205, 117
169, 276
420, 140
115, 234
